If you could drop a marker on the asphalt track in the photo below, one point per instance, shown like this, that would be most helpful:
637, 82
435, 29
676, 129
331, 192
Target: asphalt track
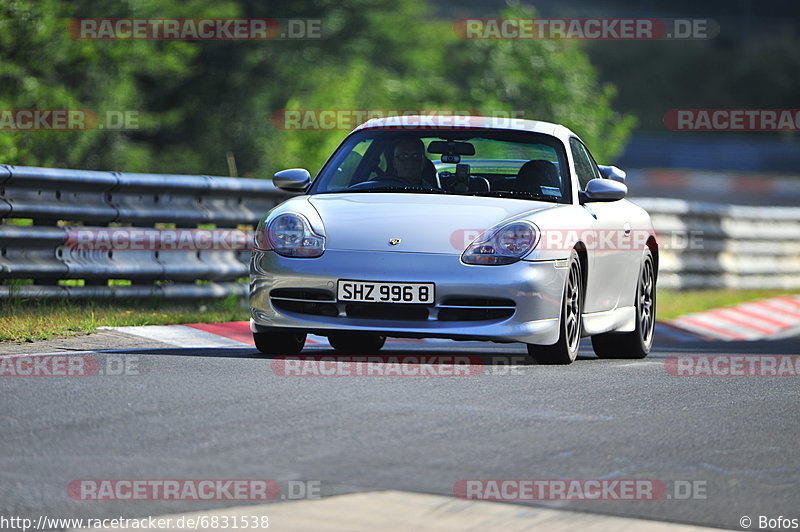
226, 412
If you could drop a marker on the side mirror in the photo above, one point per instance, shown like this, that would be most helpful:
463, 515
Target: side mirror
612, 172
603, 190
292, 180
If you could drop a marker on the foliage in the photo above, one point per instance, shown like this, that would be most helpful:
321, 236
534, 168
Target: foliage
198, 101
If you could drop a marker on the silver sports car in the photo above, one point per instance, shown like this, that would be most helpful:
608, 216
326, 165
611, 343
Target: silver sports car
469, 229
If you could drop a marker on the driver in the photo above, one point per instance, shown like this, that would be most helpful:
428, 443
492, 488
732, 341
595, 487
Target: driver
410, 162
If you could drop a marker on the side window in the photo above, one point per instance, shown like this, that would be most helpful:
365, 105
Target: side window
346, 169
584, 164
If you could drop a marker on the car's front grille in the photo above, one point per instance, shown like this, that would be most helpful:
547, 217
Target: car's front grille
467, 301
473, 314
317, 302
302, 294
302, 307
464, 308
387, 311
304, 301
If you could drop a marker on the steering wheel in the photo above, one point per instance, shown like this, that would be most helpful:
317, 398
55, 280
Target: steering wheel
381, 181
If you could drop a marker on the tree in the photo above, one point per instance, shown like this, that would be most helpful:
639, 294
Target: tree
197, 101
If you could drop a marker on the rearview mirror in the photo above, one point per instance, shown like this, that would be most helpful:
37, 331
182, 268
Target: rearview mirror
612, 172
451, 148
292, 180
603, 190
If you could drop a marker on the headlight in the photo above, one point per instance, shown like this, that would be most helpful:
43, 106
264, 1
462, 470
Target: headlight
505, 245
291, 235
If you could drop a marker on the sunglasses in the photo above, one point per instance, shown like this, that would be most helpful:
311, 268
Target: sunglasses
408, 156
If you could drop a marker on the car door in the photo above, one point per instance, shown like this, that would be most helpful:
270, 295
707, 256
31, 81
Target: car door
608, 260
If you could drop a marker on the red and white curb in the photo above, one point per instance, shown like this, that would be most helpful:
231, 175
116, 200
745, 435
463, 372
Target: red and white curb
230, 334
772, 318
237, 334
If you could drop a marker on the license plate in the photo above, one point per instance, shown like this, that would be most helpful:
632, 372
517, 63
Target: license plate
370, 292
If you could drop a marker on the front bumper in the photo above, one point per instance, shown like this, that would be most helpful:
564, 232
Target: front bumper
519, 302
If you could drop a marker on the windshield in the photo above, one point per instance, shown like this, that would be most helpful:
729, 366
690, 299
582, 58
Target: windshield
473, 162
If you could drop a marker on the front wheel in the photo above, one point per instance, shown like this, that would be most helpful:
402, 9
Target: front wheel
635, 344
565, 349
280, 342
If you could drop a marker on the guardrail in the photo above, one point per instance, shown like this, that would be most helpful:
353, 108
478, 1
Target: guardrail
730, 187
57, 204
702, 245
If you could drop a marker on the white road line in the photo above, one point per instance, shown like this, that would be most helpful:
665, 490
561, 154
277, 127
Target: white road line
398, 511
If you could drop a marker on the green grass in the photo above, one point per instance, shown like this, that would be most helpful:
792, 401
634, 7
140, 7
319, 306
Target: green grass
21, 222
671, 304
30, 320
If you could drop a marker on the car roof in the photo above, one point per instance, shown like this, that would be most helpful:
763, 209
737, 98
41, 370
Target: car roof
467, 122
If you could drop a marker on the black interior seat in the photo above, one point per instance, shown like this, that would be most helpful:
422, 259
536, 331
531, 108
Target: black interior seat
535, 174
429, 175
478, 184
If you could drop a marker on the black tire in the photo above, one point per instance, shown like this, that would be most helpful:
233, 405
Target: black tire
356, 344
280, 342
565, 349
635, 344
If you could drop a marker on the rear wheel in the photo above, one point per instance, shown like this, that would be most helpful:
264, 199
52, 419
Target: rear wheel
280, 342
565, 349
357, 344
635, 344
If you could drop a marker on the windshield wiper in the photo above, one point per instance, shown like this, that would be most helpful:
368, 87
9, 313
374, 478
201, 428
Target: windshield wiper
396, 188
516, 194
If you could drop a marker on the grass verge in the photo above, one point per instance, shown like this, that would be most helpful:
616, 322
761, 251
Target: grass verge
29, 320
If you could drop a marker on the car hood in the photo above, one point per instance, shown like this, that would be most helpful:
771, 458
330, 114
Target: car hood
423, 223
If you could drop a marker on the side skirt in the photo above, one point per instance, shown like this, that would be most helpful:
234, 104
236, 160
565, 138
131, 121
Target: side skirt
622, 319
